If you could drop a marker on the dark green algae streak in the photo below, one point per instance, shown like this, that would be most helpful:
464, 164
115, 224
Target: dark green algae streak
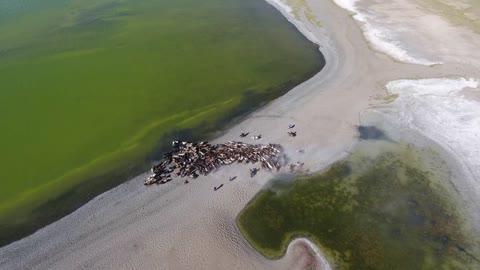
392, 210
93, 91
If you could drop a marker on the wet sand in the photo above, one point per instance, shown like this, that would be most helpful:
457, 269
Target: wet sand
177, 226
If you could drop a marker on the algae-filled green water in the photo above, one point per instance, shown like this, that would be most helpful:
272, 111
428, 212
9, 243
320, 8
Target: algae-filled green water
393, 208
90, 89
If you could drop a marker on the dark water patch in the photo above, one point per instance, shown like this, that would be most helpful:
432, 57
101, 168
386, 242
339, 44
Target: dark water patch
104, 10
100, 15
390, 211
371, 133
99, 24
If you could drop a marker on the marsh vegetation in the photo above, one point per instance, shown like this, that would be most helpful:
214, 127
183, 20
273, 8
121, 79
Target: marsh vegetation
393, 208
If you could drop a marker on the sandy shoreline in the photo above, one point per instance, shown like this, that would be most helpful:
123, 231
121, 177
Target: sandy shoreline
191, 227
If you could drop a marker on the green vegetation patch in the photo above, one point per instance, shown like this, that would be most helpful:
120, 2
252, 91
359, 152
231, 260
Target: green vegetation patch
301, 7
463, 13
394, 209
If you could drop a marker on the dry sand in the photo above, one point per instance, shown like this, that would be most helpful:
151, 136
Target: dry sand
178, 226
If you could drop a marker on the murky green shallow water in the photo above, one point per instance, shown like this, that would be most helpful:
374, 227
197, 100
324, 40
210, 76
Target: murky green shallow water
386, 206
89, 89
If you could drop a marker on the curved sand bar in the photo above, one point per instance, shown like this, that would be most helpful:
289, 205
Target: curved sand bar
178, 226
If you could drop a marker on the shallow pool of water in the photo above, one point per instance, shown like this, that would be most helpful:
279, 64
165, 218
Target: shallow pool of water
387, 206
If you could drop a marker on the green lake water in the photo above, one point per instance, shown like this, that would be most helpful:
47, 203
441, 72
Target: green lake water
91, 89
386, 206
